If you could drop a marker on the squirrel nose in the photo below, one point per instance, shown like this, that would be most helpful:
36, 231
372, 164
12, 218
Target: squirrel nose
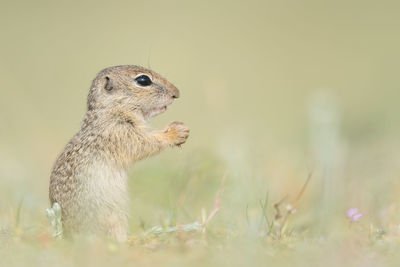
175, 93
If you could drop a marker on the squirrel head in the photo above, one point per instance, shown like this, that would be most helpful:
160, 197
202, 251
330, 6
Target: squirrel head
131, 89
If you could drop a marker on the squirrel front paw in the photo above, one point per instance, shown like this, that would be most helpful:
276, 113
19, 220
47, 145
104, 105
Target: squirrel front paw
177, 133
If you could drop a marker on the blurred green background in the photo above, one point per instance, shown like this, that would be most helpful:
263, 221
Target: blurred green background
272, 91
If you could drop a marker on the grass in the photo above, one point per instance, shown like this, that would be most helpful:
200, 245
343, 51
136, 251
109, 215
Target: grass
200, 227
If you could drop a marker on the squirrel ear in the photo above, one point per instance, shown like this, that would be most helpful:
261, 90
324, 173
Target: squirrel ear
109, 84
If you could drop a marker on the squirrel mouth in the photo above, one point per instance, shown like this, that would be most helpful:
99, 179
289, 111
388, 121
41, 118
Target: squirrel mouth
157, 111
150, 113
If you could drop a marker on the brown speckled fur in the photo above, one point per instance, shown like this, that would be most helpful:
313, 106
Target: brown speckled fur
89, 178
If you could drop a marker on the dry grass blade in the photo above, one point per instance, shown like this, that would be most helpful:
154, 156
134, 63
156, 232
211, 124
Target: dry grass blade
300, 194
290, 207
217, 204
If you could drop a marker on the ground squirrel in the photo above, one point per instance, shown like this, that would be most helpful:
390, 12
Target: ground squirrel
89, 178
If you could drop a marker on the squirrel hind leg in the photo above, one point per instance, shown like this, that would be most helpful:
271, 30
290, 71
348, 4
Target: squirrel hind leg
115, 227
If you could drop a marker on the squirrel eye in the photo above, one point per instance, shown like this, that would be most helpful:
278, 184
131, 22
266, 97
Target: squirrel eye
143, 80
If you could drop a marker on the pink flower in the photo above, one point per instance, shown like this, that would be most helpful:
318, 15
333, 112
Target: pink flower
354, 215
